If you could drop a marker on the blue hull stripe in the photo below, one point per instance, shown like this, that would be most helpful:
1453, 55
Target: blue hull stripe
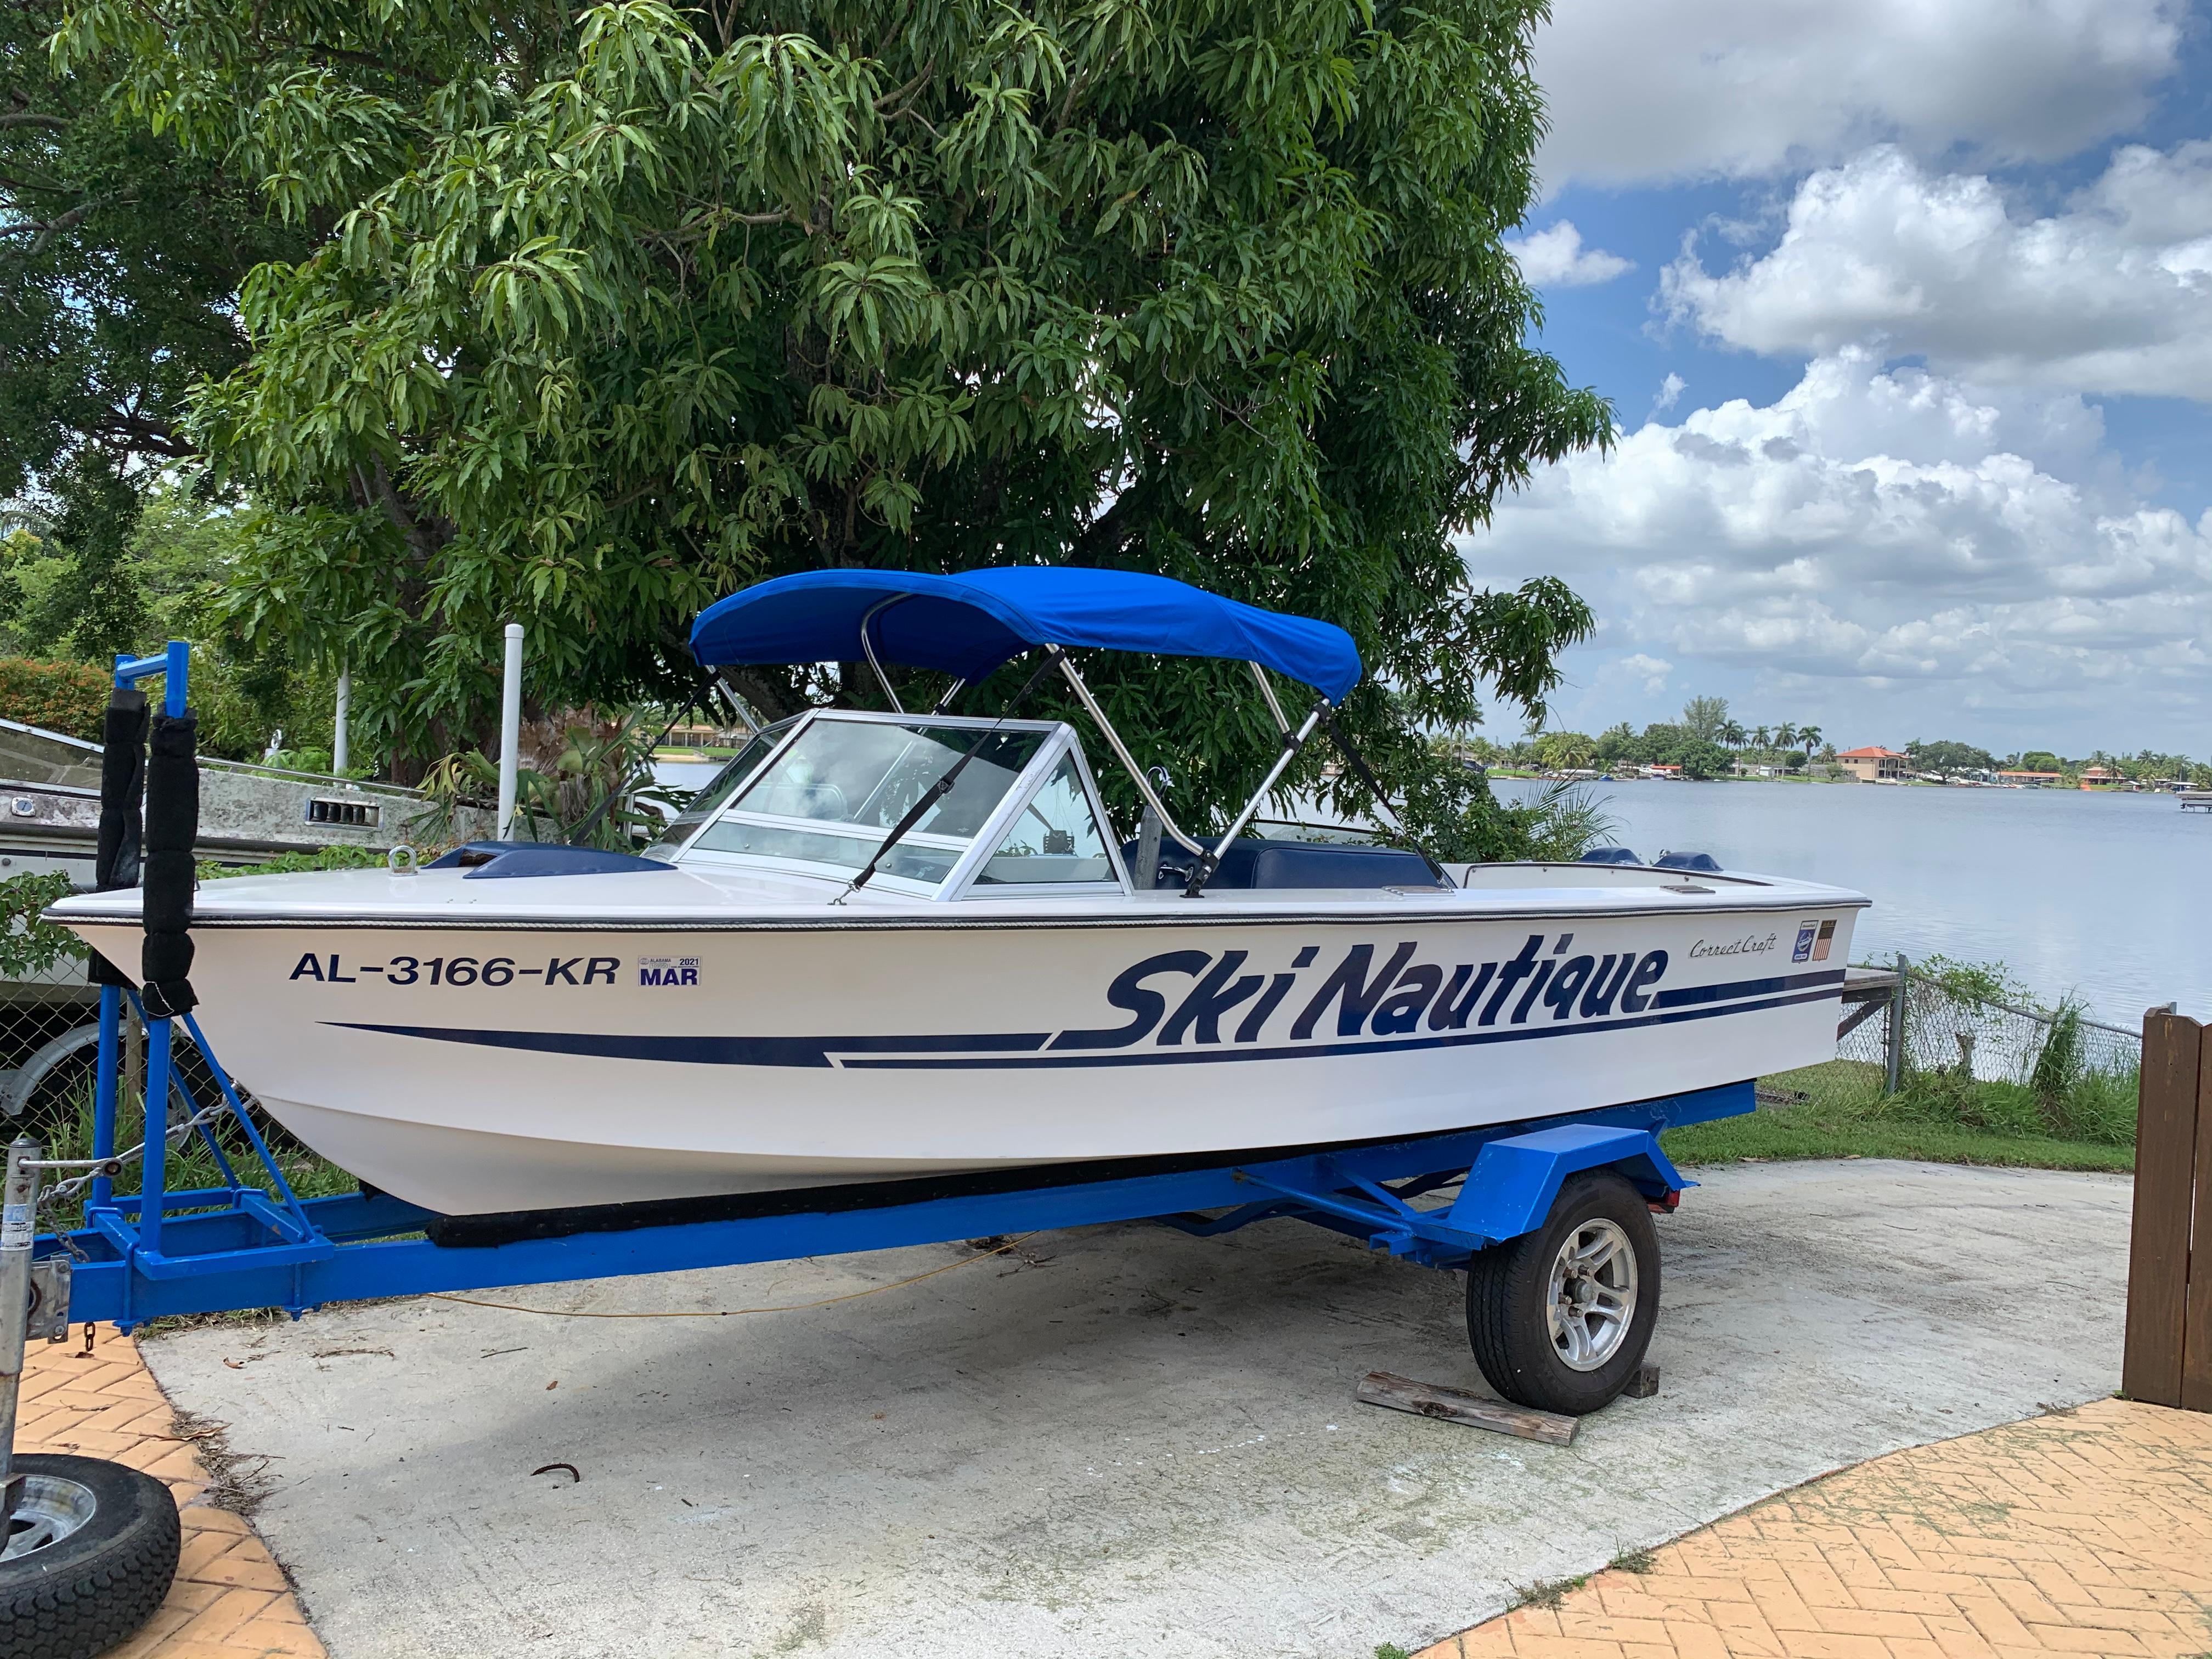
1690, 995
713, 1050
983, 1051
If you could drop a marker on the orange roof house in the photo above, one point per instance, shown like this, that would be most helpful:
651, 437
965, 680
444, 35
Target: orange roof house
1874, 763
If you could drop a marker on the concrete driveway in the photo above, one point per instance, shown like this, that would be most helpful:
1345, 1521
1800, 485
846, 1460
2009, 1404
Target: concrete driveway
1131, 1443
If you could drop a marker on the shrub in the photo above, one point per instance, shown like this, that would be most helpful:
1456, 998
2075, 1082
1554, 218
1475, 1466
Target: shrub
338, 857
28, 945
68, 697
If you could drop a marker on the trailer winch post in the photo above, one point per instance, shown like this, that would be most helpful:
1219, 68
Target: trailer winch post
19, 1204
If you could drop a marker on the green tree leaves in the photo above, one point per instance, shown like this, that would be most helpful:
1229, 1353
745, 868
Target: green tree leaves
603, 315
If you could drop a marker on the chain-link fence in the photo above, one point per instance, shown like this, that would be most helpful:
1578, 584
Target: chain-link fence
49, 1059
1920, 1046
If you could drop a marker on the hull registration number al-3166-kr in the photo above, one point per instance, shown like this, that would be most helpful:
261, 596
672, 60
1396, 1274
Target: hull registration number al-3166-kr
494, 971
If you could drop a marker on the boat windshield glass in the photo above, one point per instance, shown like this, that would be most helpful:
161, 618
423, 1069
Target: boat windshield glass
716, 793
833, 795
1056, 838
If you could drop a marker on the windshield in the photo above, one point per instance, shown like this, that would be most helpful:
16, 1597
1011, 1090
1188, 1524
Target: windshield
1056, 839
831, 796
711, 798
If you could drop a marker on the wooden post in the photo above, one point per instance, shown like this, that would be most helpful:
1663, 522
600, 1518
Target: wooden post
2168, 1359
2197, 1311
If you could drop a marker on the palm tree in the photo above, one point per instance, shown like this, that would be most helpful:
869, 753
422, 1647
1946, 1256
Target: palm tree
1784, 735
1758, 737
1809, 735
1733, 735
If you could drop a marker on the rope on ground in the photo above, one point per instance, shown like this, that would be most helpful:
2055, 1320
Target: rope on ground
732, 1313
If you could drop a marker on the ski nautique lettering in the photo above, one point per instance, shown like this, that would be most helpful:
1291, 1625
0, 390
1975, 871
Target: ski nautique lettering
1180, 1006
1357, 994
1207, 1004
1453, 1011
1129, 992
1510, 975
1597, 1001
1646, 975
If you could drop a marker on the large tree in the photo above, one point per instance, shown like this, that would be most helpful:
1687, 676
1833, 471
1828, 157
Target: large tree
619, 310
120, 262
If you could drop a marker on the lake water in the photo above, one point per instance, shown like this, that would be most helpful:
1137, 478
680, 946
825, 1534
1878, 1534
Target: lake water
2106, 895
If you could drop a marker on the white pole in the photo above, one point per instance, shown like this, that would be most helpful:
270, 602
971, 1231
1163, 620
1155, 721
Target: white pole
345, 705
510, 728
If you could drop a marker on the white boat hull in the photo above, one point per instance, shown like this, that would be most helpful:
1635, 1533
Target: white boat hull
523, 1065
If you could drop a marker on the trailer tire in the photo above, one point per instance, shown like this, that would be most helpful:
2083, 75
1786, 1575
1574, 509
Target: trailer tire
112, 1554
1582, 1360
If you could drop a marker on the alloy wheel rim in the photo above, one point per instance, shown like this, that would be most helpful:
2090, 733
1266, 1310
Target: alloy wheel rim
50, 1509
1592, 1294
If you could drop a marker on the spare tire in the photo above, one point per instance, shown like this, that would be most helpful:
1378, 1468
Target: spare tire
90, 1555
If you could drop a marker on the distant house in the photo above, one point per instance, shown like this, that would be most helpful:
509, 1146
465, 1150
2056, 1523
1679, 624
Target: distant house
2032, 779
696, 734
2099, 777
1875, 764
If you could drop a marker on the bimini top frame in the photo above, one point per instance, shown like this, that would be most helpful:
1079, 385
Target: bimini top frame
970, 624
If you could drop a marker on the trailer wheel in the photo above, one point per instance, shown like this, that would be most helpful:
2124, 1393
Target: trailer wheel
1559, 1318
90, 1555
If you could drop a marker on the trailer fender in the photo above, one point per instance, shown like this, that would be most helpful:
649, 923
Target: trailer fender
1511, 1189
17, 1087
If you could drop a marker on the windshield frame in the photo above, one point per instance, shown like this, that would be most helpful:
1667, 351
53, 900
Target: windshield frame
962, 883
1059, 737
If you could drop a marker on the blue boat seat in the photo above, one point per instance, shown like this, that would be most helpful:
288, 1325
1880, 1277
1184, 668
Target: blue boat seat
1703, 863
1609, 855
1257, 862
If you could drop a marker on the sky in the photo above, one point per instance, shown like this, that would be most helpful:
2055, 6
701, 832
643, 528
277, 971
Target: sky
1904, 307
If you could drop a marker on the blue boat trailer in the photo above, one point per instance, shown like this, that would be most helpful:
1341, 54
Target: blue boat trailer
240, 1246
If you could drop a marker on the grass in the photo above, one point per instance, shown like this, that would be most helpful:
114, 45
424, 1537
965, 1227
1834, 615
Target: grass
1549, 1592
66, 1129
2077, 1120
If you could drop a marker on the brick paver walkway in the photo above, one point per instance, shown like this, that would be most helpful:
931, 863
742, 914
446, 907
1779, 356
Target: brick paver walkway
2083, 1532
230, 1600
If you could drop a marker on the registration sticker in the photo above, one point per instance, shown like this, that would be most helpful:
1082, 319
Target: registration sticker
668, 970
1828, 938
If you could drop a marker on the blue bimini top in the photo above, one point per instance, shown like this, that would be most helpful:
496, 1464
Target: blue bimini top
968, 624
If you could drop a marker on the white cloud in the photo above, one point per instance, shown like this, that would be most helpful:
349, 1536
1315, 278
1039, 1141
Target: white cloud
1670, 392
1894, 533
2113, 295
1555, 258
1652, 670
1642, 91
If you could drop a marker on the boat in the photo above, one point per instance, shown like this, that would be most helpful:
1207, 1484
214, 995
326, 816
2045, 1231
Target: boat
889, 946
